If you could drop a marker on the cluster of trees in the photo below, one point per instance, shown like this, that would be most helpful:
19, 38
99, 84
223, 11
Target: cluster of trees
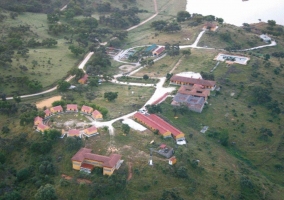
273, 29
262, 96
119, 18
154, 109
172, 50
164, 26
222, 136
110, 96
30, 5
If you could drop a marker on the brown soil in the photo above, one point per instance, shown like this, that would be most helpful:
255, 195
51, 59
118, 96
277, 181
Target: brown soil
79, 180
48, 102
129, 171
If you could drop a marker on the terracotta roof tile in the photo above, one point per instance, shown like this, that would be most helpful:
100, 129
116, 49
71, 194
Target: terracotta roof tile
193, 81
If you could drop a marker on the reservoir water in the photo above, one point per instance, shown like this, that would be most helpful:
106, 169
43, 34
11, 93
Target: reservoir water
238, 12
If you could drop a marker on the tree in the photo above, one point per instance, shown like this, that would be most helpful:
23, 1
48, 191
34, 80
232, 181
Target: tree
79, 73
22, 174
261, 95
266, 57
52, 134
186, 53
46, 192
49, 42
220, 20
5, 129
183, 16
76, 50
145, 77
182, 172
125, 128
90, 96
73, 143
169, 76
2, 158
34, 85
265, 133
63, 86
93, 82
59, 103
110, 96
271, 22
154, 109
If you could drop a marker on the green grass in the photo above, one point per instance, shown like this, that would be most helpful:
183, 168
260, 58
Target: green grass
137, 80
238, 35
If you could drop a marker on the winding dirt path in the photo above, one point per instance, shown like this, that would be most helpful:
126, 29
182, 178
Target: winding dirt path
130, 174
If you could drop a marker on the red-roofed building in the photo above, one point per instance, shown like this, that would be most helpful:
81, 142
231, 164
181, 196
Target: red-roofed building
84, 79
38, 120
147, 121
56, 109
158, 51
42, 127
180, 80
162, 146
177, 134
47, 113
172, 160
91, 131
84, 159
97, 115
87, 109
72, 107
73, 133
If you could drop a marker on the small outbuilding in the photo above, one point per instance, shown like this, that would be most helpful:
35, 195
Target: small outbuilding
56, 109
73, 133
86, 109
84, 79
38, 120
172, 160
42, 127
91, 131
72, 107
97, 115
47, 113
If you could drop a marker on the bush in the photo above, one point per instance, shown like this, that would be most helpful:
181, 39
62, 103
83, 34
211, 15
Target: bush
23, 174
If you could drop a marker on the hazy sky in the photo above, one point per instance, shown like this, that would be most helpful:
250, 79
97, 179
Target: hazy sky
237, 12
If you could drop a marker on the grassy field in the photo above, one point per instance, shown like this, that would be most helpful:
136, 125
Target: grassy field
50, 63
237, 36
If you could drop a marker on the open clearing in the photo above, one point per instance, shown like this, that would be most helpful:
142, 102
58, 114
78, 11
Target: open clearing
47, 102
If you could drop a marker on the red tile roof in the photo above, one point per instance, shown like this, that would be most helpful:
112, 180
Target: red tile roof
91, 129
47, 112
85, 153
166, 125
72, 107
38, 119
83, 79
159, 50
57, 108
149, 122
79, 156
162, 146
96, 112
86, 108
193, 81
73, 132
195, 90
42, 127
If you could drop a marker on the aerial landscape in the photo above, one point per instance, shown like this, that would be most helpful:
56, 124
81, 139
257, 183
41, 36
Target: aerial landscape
141, 99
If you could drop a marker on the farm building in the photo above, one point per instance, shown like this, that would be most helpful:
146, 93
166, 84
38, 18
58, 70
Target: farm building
73, 133
154, 122
86, 109
195, 90
97, 115
91, 131
47, 113
180, 80
85, 161
72, 107
38, 120
56, 109
158, 51
172, 160
84, 79
42, 127
145, 120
